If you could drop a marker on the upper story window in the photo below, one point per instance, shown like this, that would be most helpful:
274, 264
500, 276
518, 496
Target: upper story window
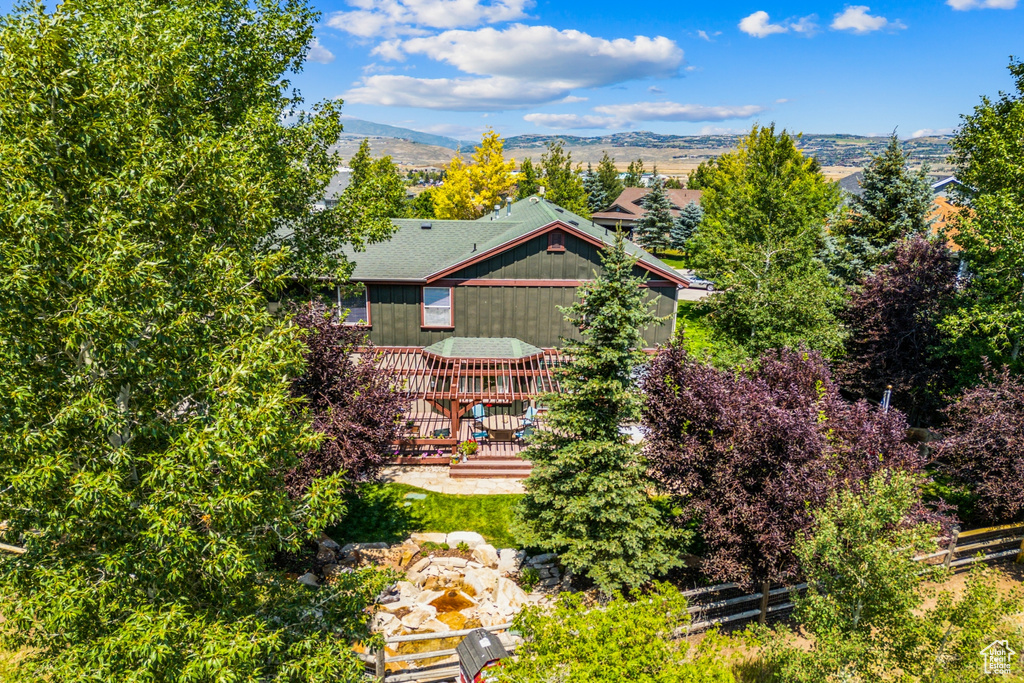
556, 240
437, 307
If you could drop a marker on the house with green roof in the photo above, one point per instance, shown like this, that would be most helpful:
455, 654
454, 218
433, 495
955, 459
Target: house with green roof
503, 276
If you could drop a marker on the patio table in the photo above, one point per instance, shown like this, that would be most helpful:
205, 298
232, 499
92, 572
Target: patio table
501, 427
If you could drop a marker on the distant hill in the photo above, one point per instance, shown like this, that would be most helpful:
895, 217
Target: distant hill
368, 128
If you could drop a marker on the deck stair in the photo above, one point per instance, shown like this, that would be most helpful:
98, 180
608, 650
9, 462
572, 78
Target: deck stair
487, 466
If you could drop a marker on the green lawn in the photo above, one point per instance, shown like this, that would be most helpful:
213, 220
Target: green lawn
673, 258
698, 335
383, 512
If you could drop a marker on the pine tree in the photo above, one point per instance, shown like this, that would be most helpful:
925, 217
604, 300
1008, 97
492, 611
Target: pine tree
895, 203
652, 229
685, 225
586, 497
563, 183
527, 182
609, 176
634, 174
597, 200
490, 173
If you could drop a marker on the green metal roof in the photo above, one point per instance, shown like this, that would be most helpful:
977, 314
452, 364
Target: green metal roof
483, 347
414, 253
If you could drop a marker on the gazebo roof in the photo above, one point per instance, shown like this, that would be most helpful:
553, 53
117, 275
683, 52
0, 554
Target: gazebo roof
498, 348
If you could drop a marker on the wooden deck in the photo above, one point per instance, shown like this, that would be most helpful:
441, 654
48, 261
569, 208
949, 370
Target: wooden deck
493, 459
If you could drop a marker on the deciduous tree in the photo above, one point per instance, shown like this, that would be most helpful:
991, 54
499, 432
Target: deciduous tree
353, 404
747, 454
375, 185
562, 181
147, 421
988, 152
624, 640
765, 211
491, 174
453, 200
985, 446
586, 496
893, 318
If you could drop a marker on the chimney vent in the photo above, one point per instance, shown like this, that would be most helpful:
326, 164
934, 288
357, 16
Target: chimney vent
497, 210
425, 226
540, 191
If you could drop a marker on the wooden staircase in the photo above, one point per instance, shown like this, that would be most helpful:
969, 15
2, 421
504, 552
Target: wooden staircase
489, 466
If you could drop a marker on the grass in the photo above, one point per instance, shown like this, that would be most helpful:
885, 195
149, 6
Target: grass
383, 512
673, 258
698, 334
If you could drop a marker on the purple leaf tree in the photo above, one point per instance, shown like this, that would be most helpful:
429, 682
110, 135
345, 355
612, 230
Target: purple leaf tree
749, 453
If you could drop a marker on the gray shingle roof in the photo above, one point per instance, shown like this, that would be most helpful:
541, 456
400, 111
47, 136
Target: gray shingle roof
414, 253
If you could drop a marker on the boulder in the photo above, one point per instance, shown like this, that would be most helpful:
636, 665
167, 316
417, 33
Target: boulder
470, 538
488, 620
479, 582
407, 590
509, 595
486, 555
421, 565
543, 559
349, 547
327, 542
309, 579
434, 626
326, 555
510, 561
420, 539
386, 623
419, 616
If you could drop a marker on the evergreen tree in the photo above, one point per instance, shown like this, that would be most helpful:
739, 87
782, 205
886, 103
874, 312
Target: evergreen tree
596, 198
685, 225
634, 174
147, 424
563, 184
609, 176
491, 174
453, 200
586, 497
895, 202
527, 182
652, 229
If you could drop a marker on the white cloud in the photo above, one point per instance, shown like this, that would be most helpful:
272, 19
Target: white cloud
377, 18
781, 100
981, 4
546, 54
673, 111
455, 94
807, 26
855, 18
655, 89
928, 132
710, 37
759, 26
569, 121
718, 130
318, 53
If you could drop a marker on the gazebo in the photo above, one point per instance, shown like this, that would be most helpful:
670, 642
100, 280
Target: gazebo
450, 377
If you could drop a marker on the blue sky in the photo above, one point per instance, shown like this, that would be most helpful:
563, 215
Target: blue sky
591, 66
587, 67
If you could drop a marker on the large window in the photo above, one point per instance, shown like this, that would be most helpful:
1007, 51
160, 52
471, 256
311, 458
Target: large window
437, 307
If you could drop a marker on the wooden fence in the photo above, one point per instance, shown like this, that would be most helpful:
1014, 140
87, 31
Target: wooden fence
723, 604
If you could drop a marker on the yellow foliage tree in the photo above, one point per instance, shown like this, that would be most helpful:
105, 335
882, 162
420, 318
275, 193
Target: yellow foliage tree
490, 173
454, 199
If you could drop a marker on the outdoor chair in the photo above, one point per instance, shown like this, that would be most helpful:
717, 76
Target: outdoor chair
479, 413
481, 435
523, 433
530, 417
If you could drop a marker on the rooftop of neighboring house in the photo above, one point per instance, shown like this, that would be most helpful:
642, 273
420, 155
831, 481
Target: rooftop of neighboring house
422, 250
627, 207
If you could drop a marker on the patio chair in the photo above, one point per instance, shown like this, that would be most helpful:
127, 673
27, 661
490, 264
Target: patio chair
523, 433
479, 413
530, 417
481, 435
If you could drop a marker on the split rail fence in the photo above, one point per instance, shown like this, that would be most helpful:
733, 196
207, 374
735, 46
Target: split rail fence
720, 605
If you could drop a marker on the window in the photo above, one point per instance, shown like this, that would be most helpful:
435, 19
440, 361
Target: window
437, 307
358, 307
556, 240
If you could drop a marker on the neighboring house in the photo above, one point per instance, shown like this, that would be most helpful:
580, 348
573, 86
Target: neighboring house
628, 209
334, 188
502, 276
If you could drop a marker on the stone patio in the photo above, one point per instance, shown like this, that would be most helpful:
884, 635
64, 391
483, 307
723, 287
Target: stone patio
437, 479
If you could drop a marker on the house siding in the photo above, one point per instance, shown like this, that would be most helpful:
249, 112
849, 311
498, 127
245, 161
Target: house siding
527, 313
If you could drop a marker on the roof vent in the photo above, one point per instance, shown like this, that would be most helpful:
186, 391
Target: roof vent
559, 210
576, 223
425, 226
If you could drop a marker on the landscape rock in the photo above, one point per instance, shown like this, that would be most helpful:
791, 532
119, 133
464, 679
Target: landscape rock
479, 582
420, 539
426, 597
386, 623
470, 538
418, 616
327, 542
509, 561
309, 579
486, 555
456, 621
434, 626
326, 555
509, 595
542, 559
421, 565
349, 547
